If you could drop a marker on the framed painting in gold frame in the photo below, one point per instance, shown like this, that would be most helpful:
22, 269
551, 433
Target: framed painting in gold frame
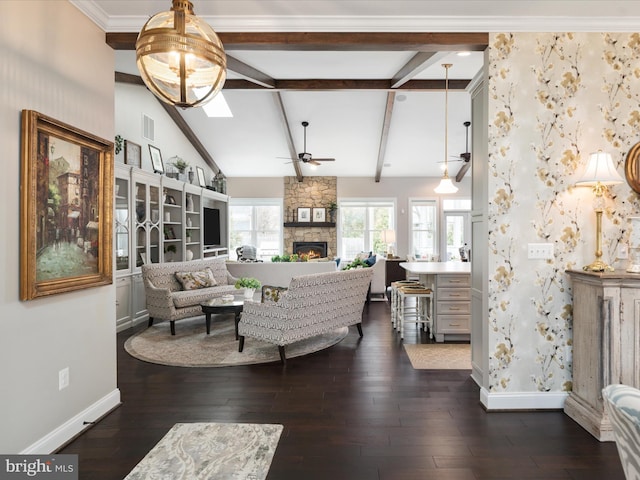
65, 208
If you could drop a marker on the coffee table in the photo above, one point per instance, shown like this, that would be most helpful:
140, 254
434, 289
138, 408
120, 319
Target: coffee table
217, 306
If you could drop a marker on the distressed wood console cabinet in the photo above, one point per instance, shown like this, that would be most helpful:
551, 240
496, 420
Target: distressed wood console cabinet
606, 343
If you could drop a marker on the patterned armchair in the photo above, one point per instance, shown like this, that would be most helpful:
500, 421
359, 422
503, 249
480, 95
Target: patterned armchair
170, 299
311, 305
622, 404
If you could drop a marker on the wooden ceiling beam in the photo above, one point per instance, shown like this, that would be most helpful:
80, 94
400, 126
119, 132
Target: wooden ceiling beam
349, 84
384, 137
249, 73
287, 134
130, 79
418, 63
334, 41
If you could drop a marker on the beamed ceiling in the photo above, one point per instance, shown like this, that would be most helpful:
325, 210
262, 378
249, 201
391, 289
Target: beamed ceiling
366, 74
337, 99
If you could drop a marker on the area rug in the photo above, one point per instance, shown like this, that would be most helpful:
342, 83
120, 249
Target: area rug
439, 356
192, 347
211, 451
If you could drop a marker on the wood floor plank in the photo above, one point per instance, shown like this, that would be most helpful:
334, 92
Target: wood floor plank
355, 411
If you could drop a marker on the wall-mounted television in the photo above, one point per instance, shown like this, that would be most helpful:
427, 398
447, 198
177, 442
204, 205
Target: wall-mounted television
211, 226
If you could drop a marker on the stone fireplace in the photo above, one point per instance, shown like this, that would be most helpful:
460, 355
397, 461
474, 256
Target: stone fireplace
312, 192
312, 249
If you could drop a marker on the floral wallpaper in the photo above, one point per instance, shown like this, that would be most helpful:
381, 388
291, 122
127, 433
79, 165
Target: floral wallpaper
553, 99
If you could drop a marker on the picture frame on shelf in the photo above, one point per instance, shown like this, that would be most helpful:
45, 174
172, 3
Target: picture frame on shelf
54, 156
169, 233
201, 180
156, 159
132, 154
304, 214
319, 214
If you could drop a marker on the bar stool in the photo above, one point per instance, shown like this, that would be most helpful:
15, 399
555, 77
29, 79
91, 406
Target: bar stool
422, 313
395, 296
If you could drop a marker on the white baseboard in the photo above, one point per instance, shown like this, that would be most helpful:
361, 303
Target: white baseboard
476, 373
65, 432
522, 400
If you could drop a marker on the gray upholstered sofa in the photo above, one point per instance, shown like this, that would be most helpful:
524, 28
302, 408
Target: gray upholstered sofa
312, 305
166, 298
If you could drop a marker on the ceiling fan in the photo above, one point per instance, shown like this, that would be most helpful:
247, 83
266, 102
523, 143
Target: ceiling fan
464, 157
306, 157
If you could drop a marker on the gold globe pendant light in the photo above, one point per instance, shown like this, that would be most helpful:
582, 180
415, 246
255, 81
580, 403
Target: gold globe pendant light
180, 57
446, 185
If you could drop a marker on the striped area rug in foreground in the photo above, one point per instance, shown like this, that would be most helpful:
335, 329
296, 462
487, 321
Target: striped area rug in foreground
439, 356
211, 451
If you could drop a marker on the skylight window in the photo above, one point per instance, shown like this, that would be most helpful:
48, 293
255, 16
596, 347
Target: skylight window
218, 107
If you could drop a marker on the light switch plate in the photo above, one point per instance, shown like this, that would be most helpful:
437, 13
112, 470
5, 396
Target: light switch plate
540, 251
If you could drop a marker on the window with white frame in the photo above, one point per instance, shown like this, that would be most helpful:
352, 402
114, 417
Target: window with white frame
362, 223
256, 222
457, 228
423, 235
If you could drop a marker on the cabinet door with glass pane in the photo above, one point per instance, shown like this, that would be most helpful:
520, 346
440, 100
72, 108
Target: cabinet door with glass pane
146, 213
122, 224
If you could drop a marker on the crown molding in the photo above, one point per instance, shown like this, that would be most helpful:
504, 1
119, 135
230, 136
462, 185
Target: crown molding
376, 23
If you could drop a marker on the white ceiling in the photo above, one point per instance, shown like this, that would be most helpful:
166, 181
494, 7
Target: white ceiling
347, 125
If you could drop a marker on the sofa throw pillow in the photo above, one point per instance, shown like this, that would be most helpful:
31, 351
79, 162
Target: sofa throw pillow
363, 255
371, 260
195, 280
271, 294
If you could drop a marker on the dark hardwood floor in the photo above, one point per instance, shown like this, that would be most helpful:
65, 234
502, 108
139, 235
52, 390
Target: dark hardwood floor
356, 411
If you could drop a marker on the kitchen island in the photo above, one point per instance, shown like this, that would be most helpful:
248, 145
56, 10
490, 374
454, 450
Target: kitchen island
451, 284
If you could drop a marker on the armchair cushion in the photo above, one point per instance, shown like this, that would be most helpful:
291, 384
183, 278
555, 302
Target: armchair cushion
196, 280
188, 298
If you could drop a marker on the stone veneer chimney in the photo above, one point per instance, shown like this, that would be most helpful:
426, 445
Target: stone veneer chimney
312, 192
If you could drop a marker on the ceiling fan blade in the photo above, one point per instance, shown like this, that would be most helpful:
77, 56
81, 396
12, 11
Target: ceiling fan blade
312, 162
324, 159
463, 170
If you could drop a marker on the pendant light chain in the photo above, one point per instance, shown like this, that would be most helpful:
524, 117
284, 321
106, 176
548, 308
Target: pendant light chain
446, 119
446, 186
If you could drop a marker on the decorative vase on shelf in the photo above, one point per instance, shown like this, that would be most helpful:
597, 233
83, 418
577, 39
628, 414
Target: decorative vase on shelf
189, 203
189, 255
634, 245
248, 293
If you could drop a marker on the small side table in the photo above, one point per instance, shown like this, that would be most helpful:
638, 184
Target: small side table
217, 306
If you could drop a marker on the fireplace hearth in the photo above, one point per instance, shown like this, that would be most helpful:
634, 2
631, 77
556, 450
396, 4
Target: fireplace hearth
312, 249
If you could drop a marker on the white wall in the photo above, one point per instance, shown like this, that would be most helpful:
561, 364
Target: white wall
131, 101
45, 67
251, 187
